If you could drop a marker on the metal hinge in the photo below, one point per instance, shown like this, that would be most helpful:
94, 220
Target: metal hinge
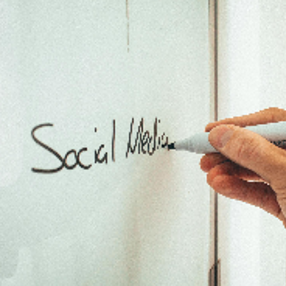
214, 275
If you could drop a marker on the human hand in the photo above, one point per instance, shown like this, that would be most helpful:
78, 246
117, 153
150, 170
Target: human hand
248, 168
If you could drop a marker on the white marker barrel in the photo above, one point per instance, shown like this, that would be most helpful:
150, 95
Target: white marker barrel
199, 143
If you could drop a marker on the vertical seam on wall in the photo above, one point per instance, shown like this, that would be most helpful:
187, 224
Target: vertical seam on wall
217, 282
213, 42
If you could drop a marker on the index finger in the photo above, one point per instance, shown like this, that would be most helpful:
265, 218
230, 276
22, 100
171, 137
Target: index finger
272, 114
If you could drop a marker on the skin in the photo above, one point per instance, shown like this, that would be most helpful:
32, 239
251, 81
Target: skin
248, 167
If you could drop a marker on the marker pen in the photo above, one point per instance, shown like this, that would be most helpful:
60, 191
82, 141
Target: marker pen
199, 143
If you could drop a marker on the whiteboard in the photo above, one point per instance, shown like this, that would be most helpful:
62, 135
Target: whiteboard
90, 91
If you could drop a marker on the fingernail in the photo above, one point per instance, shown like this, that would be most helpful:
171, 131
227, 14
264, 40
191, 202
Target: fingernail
220, 135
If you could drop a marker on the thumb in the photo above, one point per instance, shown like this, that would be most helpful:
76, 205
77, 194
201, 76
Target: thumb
253, 152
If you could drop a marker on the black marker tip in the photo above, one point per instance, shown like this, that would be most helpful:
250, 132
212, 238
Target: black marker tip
171, 146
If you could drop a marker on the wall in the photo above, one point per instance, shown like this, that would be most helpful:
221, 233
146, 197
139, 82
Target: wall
251, 77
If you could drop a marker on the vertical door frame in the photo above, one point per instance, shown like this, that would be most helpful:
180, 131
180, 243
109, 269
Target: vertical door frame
214, 262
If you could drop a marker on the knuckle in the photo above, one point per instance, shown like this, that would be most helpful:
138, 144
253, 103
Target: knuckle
247, 149
277, 175
275, 114
272, 109
278, 182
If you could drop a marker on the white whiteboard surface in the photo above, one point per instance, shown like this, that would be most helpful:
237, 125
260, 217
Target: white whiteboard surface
87, 70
